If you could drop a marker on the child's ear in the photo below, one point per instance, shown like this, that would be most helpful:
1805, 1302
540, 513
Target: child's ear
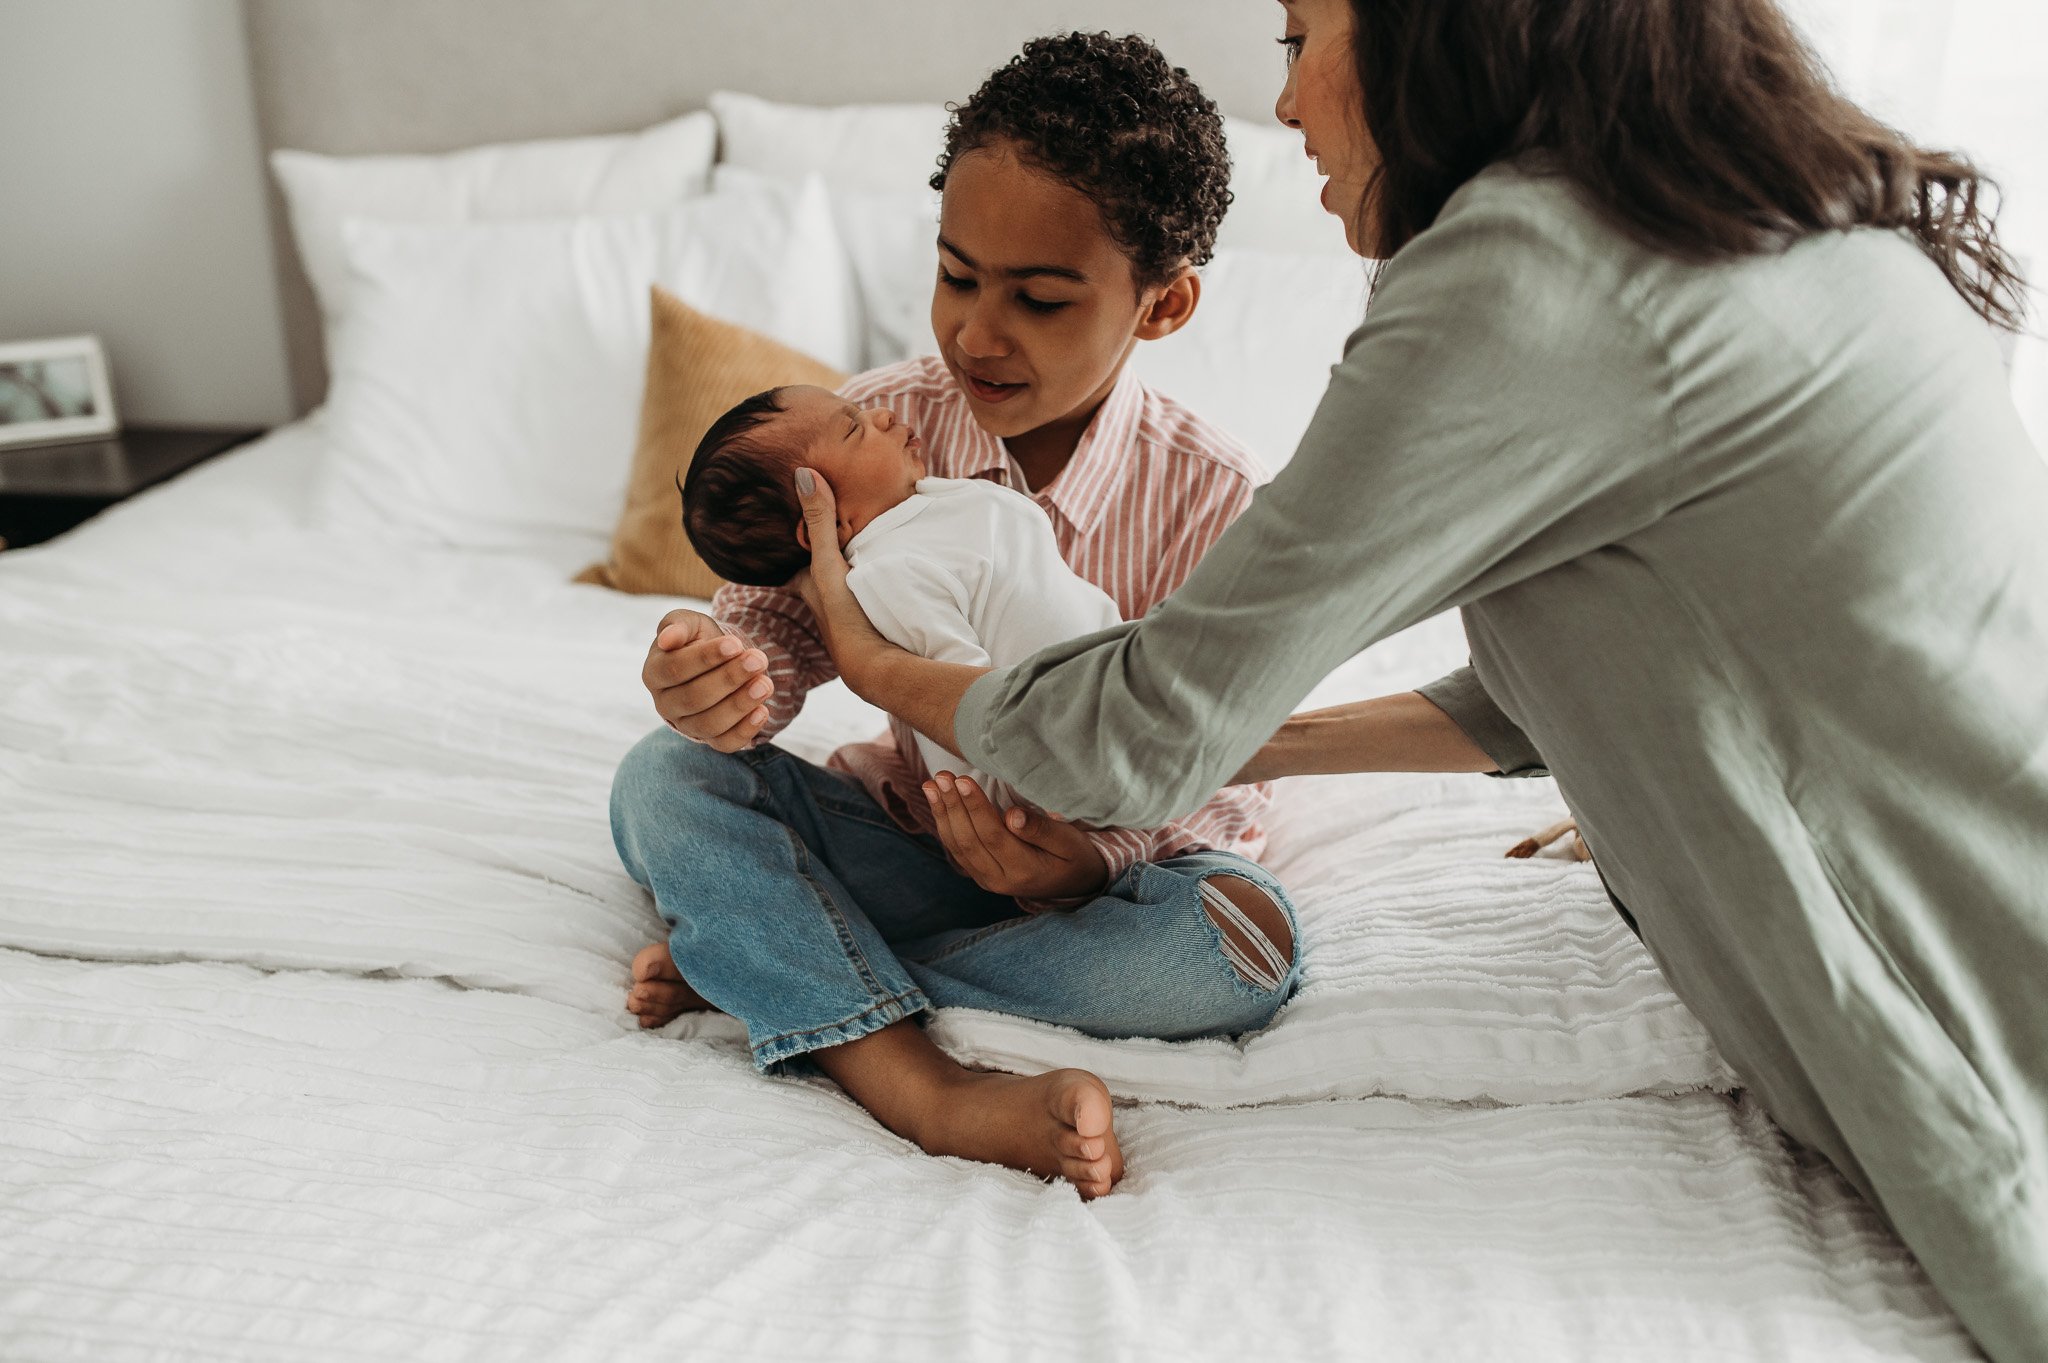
803, 535
1173, 306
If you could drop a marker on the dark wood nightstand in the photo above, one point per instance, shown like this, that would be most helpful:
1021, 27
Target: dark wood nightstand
47, 489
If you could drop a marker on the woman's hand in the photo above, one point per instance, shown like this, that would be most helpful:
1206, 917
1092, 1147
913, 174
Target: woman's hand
843, 627
1023, 853
922, 692
707, 684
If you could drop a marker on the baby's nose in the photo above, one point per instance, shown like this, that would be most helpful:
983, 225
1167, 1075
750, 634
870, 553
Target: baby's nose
883, 418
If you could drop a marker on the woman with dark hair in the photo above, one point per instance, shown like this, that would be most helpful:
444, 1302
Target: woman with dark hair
1678, 381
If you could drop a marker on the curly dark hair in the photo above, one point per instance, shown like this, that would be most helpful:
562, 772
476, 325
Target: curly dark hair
1114, 119
740, 508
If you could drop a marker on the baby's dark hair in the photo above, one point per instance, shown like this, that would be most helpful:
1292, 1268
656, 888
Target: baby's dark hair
740, 508
1114, 119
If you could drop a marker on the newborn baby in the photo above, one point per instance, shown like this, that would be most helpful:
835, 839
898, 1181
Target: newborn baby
957, 569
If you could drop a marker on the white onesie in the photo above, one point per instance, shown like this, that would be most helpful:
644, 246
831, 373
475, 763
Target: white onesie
967, 571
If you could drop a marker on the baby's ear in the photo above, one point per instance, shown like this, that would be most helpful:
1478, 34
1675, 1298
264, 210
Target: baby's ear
803, 534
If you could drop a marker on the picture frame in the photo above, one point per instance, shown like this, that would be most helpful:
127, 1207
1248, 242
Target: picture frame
55, 390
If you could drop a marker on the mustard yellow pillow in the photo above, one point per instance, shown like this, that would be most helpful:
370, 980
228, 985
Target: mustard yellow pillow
697, 367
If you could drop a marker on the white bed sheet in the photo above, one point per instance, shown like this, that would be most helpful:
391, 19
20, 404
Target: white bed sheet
226, 736
230, 745
213, 1162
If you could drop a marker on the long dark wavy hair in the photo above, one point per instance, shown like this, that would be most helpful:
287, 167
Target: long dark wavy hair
1704, 128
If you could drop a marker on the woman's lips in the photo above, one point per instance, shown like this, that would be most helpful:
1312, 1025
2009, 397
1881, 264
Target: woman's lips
991, 392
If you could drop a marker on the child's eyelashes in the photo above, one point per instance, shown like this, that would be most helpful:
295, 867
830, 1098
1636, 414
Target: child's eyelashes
963, 284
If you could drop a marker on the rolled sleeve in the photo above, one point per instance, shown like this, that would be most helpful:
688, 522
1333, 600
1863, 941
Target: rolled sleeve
1464, 698
972, 729
779, 624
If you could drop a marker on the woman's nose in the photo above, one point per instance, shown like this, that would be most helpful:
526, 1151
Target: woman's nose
1283, 107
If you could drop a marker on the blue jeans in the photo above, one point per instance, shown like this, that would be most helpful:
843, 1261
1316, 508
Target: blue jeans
798, 906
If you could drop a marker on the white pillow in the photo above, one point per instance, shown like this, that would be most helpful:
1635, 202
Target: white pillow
559, 178
890, 241
852, 146
1257, 355
890, 147
487, 376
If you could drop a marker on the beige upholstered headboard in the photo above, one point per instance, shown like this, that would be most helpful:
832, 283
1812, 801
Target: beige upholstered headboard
351, 76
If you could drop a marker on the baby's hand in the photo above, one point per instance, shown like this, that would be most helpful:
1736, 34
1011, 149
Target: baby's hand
1023, 853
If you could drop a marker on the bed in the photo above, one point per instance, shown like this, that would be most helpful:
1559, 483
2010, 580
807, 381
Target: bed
313, 948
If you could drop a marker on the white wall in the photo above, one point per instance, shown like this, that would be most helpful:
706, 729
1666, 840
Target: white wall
131, 202
1971, 75
131, 191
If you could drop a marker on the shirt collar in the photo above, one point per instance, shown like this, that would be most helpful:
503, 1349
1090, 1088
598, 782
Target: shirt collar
977, 454
1087, 485
890, 521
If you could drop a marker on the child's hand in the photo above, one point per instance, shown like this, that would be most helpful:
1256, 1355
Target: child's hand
1023, 853
707, 684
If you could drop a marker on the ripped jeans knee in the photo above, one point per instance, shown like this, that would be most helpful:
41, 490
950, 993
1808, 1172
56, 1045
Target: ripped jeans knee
1257, 932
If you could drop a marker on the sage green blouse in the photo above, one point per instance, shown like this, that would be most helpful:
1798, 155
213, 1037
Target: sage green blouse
1753, 558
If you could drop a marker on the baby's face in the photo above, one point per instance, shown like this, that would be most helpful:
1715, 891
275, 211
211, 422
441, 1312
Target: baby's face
871, 459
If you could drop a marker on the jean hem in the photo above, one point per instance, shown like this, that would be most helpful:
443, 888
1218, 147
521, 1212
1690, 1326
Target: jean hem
779, 1050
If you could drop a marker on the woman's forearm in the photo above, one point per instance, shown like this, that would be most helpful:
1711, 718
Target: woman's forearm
1403, 732
919, 691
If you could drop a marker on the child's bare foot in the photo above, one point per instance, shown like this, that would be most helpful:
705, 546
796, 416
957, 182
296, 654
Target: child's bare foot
1055, 1125
659, 994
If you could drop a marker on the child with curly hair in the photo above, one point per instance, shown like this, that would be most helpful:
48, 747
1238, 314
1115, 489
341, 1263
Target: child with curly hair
829, 907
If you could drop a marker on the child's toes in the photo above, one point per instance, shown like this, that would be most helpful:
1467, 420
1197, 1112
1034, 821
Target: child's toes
654, 963
1073, 1145
1089, 1177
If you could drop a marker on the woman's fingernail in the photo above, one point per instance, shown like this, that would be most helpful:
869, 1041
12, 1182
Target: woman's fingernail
931, 792
728, 646
806, 484
760, 688
945, 781
755, 662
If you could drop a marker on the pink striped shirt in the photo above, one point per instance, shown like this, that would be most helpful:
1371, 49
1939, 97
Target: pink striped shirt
1149, 488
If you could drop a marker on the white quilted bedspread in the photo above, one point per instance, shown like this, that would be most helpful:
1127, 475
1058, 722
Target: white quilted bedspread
300, 1165
312, 944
